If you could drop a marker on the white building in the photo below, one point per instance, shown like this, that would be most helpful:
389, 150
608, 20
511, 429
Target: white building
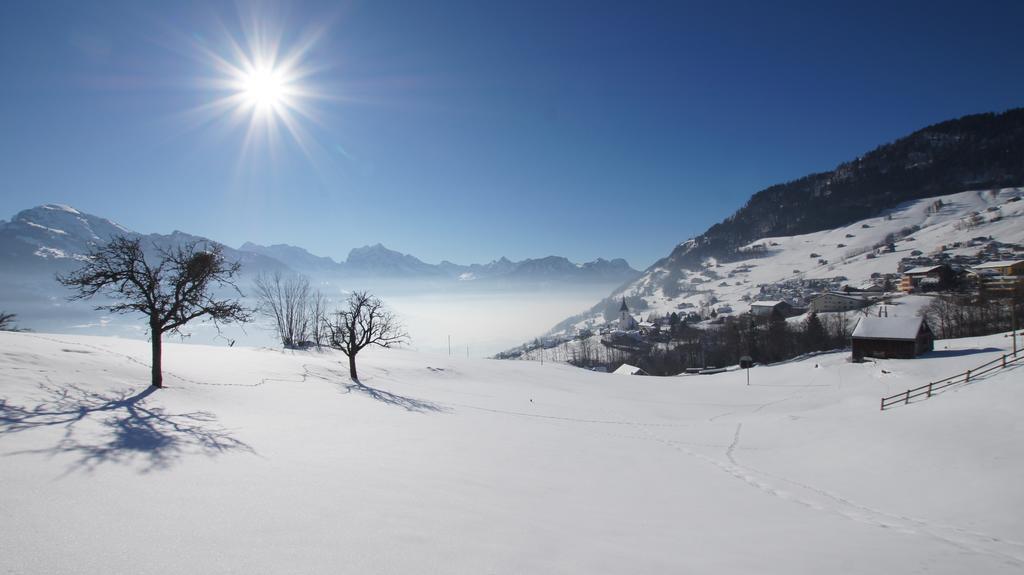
832, 301
626, 320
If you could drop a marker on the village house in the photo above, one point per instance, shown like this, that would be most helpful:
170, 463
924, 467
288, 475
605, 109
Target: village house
928, 278
832, 301
626, 369
769, 308
891, 337
1001, 276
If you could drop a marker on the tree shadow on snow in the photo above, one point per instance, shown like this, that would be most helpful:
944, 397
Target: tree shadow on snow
129, 431
407, 403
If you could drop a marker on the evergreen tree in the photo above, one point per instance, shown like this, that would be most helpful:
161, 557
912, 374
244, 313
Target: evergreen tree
815, 337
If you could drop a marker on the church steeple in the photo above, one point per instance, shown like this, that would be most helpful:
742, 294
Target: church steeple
626, 321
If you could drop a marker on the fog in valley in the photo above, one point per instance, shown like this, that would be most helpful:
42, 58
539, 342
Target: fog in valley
480, 319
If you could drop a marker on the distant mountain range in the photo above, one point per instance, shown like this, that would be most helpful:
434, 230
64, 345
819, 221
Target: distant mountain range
55, 237
379, 261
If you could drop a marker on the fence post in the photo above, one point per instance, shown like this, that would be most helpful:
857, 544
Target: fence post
930, 384
968, 378
882, 406
907, 399
1004, 360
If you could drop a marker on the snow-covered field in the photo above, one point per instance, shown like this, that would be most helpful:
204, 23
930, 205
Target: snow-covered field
263, 461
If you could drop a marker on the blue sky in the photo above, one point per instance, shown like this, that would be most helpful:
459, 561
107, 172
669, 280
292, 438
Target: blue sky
472, 130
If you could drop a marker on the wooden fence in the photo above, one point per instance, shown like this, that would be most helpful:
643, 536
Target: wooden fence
927, 390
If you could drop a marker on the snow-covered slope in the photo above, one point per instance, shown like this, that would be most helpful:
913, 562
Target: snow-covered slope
256, 460
850, 253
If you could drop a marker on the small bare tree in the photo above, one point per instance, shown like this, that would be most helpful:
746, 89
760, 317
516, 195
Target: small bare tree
174, 291
286, 300
363, 322
318, 316
7, 321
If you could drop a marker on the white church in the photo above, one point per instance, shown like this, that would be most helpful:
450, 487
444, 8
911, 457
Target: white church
626, 321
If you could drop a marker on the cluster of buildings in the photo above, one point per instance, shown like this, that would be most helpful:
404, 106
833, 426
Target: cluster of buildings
800, 292
991, 250
992, 277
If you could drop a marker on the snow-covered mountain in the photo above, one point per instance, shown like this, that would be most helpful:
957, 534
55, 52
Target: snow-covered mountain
898, 181
962, 227
54, 231
377, 260
55, 237
977, 152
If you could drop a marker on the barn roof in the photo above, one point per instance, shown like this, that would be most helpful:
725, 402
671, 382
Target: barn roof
905, 328
626, 369
771, 303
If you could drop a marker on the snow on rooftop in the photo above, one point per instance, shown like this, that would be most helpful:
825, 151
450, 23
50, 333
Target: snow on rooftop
996, 265
888, 327
922, 270
843, 295
626, 369
766, 303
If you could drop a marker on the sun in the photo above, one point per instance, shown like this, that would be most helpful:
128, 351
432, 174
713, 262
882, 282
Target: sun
261, 82
264, 89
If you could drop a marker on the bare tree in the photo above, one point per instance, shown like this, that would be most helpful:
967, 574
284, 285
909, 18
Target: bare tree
174, 291
7, 321
286, 300
318, 316
365, 321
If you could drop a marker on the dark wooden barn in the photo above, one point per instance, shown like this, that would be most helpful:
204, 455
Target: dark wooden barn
892, 337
